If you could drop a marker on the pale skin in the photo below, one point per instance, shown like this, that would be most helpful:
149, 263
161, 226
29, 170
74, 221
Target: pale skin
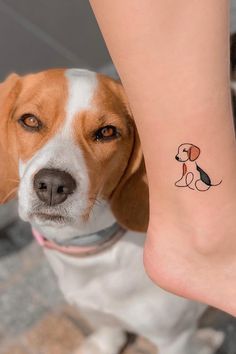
173, 59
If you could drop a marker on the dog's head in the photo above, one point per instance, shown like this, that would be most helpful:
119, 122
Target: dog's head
67, 142
187, 152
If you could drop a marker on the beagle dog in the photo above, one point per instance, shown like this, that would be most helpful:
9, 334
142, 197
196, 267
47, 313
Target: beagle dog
193, 176
69, 148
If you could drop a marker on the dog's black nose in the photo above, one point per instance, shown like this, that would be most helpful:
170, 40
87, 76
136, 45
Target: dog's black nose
53, 186
177, 158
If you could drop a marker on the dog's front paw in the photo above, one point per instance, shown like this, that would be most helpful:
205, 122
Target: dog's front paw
104, 341
211, 340
89, 347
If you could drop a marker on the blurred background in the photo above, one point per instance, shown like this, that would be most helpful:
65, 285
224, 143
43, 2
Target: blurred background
34, 319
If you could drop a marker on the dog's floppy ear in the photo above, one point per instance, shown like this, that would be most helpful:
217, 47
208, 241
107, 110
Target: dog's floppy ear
9, 90
130, 200
193, 153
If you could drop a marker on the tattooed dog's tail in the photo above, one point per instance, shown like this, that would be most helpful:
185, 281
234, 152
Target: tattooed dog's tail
206, 184
217, 184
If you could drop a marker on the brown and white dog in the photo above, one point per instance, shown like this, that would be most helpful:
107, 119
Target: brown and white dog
69, 146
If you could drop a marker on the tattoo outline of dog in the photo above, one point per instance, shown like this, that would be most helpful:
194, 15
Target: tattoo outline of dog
193, 176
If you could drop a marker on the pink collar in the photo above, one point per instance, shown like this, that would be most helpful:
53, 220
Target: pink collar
76, 250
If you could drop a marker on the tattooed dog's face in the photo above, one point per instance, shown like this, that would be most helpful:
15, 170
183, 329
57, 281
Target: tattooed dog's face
187, 152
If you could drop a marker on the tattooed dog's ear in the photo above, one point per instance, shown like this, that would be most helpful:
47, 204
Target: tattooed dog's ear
193, 153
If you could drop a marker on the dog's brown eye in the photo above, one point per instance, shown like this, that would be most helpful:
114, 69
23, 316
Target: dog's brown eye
30, 122
106, 133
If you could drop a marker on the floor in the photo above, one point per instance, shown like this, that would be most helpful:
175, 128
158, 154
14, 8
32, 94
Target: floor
34, 318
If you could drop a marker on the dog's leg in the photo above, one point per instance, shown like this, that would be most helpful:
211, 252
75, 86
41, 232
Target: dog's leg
203, 341
181, 182
209, 339
106, 340
186, 181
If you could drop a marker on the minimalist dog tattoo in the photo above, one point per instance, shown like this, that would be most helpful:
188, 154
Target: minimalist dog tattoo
193, 176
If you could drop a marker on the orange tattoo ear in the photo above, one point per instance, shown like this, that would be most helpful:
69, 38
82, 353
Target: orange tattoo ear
193, 153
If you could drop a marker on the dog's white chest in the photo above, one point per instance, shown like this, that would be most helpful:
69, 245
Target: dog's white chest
105, 279
115, 283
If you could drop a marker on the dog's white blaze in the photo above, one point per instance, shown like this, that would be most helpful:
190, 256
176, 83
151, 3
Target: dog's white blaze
81, 85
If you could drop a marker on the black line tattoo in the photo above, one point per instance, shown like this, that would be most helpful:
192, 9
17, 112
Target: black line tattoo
193, 176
